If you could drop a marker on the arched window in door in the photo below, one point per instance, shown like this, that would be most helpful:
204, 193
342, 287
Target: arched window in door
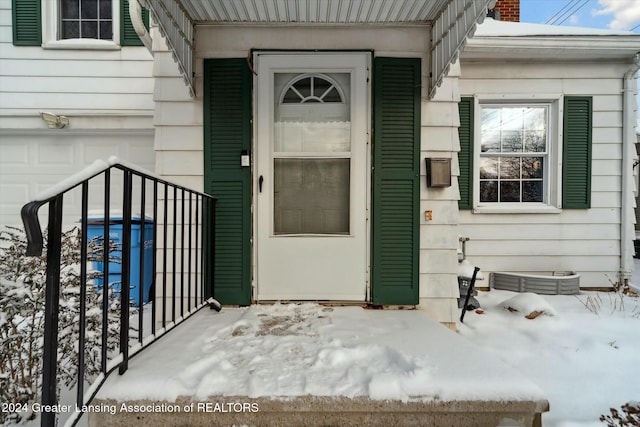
312, 154
312, 88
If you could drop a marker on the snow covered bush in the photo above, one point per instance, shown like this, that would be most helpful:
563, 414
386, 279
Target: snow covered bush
22, 299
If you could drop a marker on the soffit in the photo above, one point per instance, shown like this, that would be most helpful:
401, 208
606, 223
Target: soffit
452, 22
312, 11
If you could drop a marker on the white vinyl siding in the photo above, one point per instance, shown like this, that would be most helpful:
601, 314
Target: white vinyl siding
107, 95
583, 240
177, 114
33, 79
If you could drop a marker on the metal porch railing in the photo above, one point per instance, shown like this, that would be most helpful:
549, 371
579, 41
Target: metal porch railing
182, 234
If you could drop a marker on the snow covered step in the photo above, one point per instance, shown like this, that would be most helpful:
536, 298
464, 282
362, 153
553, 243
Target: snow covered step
308, 364
316, 411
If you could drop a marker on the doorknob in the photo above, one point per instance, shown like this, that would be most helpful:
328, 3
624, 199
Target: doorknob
260, 181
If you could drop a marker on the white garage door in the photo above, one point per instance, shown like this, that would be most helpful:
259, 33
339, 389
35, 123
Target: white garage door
32, 162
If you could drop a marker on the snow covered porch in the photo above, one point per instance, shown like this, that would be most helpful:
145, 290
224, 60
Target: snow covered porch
307, 364
254, 59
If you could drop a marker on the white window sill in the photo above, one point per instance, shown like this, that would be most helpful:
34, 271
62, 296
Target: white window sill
517, 209
82, 44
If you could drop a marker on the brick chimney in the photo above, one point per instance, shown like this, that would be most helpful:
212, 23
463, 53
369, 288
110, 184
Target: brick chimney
506, 10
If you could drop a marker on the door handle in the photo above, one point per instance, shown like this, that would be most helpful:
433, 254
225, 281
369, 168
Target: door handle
260, 181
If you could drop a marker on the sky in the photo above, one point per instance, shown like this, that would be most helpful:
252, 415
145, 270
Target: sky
608, 14
612, 14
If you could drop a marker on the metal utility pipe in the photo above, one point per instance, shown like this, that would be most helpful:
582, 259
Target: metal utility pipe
628, 157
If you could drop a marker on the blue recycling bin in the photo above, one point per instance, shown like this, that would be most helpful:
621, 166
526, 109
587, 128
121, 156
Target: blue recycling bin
95, 228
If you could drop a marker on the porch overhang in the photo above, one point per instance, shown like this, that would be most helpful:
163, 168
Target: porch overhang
452, 22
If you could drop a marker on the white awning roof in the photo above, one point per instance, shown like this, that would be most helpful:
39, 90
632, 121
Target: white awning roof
453, 21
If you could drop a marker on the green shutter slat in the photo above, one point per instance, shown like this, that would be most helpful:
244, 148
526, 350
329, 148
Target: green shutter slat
27, 22
227, 132
465, 156
128, 35
576, 157
396, 185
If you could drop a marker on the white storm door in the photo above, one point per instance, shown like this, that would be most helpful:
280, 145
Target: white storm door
311, 180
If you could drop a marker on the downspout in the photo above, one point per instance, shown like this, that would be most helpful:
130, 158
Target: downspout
628, 158
135, 12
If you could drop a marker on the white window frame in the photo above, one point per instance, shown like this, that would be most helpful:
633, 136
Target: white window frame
311, 155
292, 85
552, 181
51, 22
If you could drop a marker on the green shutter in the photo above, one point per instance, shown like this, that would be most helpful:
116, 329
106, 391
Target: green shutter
396, 181
576, 152
465, 156
27, 22
227, 132
128, 35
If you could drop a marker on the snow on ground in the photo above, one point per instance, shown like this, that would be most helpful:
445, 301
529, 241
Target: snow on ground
528, 303
584, 356
581, 355
292, 350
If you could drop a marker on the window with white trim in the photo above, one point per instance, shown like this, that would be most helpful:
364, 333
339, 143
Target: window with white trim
91, 24
520, 156
74, 24
514, 153
312, 88
86, 19
312, 154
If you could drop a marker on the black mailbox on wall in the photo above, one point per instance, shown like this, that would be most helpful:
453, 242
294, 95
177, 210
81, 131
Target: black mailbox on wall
438, 172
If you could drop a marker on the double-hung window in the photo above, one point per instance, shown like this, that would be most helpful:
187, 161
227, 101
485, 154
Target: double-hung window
90, 24
525, 156
86, 19
514, 153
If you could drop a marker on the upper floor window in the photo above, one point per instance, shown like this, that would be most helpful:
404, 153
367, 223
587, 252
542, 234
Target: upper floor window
79, 24
86, 19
